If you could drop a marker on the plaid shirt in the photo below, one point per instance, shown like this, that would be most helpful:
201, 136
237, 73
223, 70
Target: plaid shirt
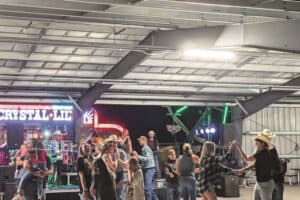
210, 167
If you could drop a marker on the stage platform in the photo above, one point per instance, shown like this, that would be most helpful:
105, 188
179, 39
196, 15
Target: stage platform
63, 192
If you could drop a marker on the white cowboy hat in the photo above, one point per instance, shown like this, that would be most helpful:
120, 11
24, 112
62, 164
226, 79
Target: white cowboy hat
58, 132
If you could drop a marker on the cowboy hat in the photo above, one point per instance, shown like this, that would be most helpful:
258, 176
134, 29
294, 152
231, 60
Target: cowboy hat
112, 138
58, 132
263, 138
268, 133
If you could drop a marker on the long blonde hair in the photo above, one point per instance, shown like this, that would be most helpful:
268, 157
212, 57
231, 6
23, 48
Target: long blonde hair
209, 148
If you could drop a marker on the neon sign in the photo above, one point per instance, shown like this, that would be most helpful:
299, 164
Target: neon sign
90, 118
25, 112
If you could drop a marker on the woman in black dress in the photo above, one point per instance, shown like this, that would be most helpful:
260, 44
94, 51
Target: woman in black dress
103, 184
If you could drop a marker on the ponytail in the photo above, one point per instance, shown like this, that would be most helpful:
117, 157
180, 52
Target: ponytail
187, 148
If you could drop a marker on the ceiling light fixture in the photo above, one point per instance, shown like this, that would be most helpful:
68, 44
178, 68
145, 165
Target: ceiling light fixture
209, 54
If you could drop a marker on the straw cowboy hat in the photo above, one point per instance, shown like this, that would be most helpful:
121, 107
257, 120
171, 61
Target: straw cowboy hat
268, 133
264, 138
112, 138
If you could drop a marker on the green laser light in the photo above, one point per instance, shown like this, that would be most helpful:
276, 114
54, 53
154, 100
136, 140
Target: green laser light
180, 110
225, 113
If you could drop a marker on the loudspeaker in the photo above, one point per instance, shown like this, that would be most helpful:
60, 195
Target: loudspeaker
7, 173
15, 135
9, 190
229, 186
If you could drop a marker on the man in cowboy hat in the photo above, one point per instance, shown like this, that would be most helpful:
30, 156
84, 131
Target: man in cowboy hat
280, 168
56, 147
263, 163
121, 171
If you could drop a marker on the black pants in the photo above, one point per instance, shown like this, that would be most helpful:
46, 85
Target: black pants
58, 169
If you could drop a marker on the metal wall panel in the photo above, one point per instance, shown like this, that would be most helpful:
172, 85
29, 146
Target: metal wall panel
279, 119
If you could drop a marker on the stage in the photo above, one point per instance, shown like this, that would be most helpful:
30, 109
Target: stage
64, 192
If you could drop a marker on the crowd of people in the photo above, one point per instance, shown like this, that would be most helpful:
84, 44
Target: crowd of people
112, 170
119, 174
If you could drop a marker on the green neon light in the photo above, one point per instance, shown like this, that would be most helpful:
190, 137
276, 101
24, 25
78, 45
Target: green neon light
209, 118
225, 114
180, 110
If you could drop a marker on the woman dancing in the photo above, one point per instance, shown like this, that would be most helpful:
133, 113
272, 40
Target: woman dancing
185, 168
84, 167
210, 166
135, 183
103, 178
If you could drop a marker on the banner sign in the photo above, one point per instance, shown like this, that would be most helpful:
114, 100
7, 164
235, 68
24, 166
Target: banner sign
25, 112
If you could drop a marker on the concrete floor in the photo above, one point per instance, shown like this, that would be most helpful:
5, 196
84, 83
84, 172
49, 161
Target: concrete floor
291, 193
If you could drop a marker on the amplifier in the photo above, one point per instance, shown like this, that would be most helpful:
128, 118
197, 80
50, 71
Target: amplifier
229, 186
9, 189
7, 173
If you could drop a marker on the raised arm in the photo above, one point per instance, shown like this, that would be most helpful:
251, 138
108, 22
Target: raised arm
244, 156
177, 167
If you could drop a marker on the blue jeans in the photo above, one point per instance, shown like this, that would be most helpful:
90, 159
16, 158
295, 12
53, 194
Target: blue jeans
157, 169
121, 191
148, 177
188, 187
173, 191
278, 191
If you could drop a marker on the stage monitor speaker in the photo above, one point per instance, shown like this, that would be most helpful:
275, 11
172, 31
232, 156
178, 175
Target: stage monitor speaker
226, 134
62, 196
229, 186
9, 190
15, 135
7, 173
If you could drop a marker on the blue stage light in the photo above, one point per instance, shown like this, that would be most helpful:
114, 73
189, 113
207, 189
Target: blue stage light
201, 131
207, 130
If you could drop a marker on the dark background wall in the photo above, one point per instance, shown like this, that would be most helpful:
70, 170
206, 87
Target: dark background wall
140, 119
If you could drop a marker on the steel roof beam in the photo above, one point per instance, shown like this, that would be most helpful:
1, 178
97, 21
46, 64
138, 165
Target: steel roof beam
263, 100
125, 65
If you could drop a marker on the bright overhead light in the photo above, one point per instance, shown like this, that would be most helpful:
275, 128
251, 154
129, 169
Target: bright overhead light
209, 54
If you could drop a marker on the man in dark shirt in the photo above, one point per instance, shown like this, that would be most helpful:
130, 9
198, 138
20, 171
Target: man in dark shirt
263, 163
279, 169
172, 176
